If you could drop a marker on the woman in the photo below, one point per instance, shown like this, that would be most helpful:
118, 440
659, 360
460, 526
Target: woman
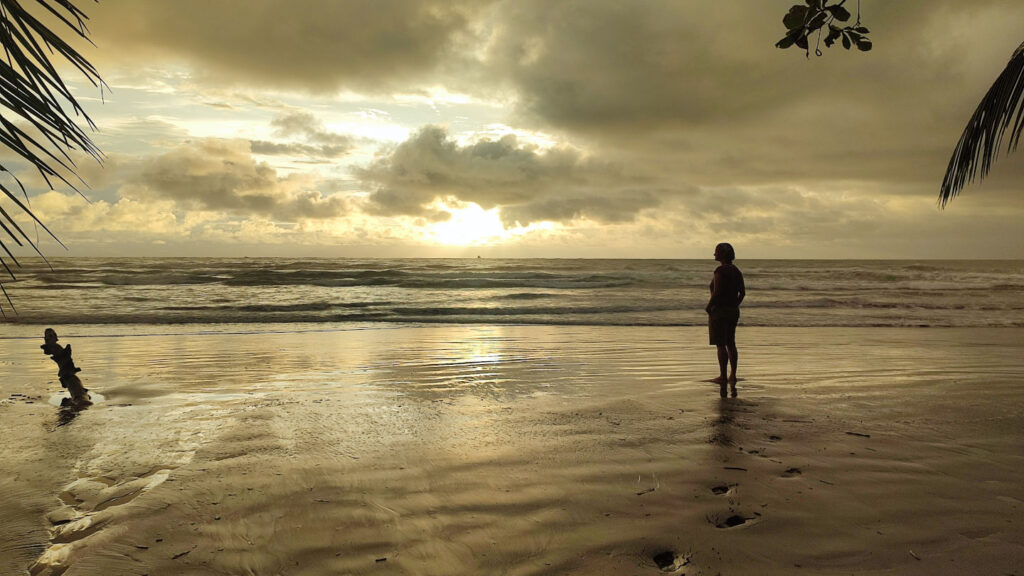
727, 292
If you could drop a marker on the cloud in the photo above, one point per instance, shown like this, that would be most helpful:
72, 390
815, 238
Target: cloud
609, 209
527, 183
296, 149
221, 175
671, 84
74, 220
141, 225
306, 45
315, 140
685, 121
587, 64
697, 90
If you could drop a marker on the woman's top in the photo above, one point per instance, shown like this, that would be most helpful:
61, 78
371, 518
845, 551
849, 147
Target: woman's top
727, 290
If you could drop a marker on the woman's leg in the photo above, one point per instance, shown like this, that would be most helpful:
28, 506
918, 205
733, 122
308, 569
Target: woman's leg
733, 356
723, 362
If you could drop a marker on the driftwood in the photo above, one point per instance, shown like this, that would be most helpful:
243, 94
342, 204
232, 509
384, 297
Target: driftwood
66, 370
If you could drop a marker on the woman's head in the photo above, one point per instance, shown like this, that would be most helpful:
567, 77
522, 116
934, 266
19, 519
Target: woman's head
724, 252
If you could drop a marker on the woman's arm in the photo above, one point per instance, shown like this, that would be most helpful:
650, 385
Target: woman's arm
715, 287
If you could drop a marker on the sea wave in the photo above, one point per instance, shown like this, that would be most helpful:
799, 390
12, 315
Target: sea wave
857, 303
592, 292
523, 296
389, 318
275, 308
455, 311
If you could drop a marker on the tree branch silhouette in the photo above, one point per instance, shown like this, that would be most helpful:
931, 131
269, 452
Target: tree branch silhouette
803, 20
982, 138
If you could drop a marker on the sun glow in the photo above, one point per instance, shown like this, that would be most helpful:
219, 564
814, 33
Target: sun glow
470, 225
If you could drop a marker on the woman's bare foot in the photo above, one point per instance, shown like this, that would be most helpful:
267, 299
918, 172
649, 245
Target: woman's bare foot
720, 380
732, 379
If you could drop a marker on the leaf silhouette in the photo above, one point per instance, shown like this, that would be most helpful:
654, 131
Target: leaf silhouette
979, 144
32, 92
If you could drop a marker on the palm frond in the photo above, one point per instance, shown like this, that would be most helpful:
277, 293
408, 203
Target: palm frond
4, 290
36, 108
979, 145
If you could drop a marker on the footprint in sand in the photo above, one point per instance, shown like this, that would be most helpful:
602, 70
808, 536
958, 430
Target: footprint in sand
792, 472
721, 489
90, 504
733, 520
670, 561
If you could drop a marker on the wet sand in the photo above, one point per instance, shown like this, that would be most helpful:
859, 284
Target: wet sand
515, 450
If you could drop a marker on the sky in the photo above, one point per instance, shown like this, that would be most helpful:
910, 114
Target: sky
532, 128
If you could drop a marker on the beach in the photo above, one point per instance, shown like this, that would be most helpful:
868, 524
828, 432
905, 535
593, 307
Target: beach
490, 449
426, 288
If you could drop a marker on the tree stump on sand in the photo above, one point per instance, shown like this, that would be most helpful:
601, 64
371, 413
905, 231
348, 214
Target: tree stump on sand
66, 370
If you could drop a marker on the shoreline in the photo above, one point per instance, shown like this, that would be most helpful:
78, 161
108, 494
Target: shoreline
26, 331
454, 449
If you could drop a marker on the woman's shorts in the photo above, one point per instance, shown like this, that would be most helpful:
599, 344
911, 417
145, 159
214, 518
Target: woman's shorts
722, 326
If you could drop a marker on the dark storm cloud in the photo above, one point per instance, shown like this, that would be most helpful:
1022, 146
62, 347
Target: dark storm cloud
588, 63
593, 63
528, 184
221, 175
303, 44
697, 89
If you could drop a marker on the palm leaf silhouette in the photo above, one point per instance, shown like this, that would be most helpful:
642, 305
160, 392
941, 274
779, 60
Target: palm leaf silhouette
34, 121
979, 145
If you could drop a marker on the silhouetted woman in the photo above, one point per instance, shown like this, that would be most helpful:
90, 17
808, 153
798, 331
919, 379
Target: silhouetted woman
727, 292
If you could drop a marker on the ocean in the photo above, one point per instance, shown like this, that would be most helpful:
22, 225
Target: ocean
272, 291
284, 416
